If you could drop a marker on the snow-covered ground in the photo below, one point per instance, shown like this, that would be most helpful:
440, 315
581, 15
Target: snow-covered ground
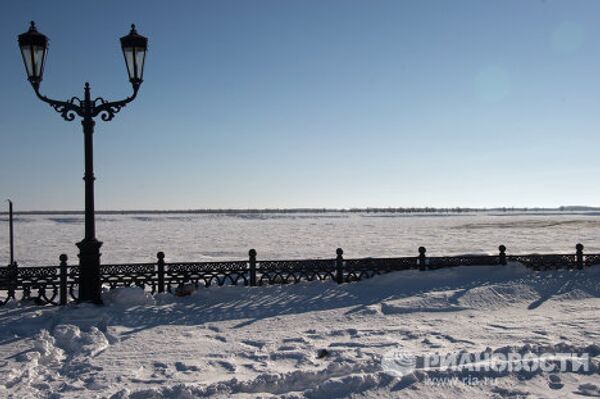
311, 340
40, 239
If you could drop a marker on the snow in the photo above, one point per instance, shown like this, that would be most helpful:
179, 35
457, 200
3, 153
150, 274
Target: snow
197, 237
313, 340
130, 296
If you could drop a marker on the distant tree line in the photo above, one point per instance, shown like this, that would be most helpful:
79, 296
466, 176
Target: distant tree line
402, 210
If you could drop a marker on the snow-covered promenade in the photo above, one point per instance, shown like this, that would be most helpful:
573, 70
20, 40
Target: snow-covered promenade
309, 340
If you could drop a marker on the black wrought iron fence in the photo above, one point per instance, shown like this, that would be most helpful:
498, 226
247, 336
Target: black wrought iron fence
58, 285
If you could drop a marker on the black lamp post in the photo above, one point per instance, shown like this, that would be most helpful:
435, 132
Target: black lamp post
11, 233
34, 47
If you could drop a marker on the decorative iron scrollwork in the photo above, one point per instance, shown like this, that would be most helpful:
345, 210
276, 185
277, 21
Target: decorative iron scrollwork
465, 260
128, 275
294, 271
7, 283
86, 108
546, 262
68, 113
107, 110
206, 273
73, 282
41, 284
359, 269
591, 260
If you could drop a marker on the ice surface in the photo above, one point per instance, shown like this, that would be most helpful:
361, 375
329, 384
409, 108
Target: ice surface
195, 237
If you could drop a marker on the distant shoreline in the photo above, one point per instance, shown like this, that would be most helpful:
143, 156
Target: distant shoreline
408, 210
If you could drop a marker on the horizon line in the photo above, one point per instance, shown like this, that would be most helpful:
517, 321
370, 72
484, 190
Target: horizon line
404, 209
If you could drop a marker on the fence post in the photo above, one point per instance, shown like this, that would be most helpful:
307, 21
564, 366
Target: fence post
579, 255
13, 280
252, 261
339, 266
63, 279
161, 272
502, 255
422, 258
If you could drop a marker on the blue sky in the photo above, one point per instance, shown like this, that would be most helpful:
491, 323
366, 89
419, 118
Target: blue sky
282, 103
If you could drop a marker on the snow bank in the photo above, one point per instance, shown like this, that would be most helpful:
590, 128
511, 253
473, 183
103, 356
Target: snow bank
55, 356
127, 296
77, 343
264, 342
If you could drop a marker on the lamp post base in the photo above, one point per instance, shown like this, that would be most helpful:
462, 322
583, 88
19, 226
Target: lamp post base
89, 271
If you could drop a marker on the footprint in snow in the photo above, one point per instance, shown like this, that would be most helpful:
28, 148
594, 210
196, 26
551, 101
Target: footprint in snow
185, 368
255, 367
159, 365
589, 390
554, 381
299, 340
348, 331
228, 366
253, 343
294, 355
287, 348
431, 344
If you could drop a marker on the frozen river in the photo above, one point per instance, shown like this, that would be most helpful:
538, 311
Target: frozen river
196, 237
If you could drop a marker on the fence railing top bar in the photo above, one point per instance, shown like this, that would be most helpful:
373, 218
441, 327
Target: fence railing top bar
465, 256
508, 256
542, 255
382, 258
33, 268
207, 263
38, 267
128, 264
317, 260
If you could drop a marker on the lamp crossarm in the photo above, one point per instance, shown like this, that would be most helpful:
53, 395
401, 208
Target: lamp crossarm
67, 109
108, 109
77, 107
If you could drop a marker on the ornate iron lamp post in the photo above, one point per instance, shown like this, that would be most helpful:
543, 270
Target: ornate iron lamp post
34, 48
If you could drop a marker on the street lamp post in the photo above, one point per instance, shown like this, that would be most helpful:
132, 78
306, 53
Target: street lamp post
34, 48
11, 233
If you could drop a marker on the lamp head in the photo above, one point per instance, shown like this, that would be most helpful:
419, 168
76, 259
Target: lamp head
34, 48
134, 48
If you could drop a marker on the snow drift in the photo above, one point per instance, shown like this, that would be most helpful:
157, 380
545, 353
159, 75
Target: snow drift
309, 340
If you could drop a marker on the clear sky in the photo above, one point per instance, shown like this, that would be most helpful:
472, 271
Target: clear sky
317, 103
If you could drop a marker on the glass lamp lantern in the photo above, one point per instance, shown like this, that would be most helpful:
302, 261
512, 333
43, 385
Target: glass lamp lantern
34, 47
134, 48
